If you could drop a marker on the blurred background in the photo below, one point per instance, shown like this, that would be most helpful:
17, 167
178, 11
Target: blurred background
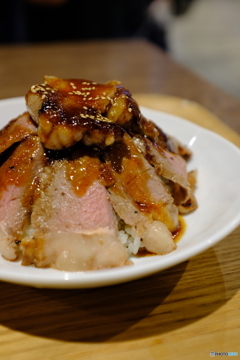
202, 35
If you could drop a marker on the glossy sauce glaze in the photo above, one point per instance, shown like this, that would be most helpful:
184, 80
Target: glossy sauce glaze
84, 167
72, 110
178, 234
83, 172
16, 169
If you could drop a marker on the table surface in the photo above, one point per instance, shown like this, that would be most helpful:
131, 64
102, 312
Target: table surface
180, 313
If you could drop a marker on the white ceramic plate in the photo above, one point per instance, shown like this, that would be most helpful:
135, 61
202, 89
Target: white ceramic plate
218, 165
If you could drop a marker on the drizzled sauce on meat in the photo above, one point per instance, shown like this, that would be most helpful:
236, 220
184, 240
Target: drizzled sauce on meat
15, 170
115, 154
85, 171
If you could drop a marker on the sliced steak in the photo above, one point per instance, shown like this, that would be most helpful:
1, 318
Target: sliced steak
139, 196
191, 203
72, 230
16, 130
168, 165
16, 176
179, 148
137, 177
155, 236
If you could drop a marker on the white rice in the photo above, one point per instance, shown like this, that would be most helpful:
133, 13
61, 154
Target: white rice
129, 238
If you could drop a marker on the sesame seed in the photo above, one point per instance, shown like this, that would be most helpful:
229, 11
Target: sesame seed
109, 140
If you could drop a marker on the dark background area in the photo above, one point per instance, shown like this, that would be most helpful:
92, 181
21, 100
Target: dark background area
27, 21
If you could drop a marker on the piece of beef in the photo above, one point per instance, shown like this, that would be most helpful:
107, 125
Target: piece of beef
139, 180
155, 236
168, 165
16, 130
191, 203
16, 176
73, 228
139, 196
177, 147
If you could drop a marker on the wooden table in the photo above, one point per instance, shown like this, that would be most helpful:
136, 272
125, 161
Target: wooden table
180, 313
